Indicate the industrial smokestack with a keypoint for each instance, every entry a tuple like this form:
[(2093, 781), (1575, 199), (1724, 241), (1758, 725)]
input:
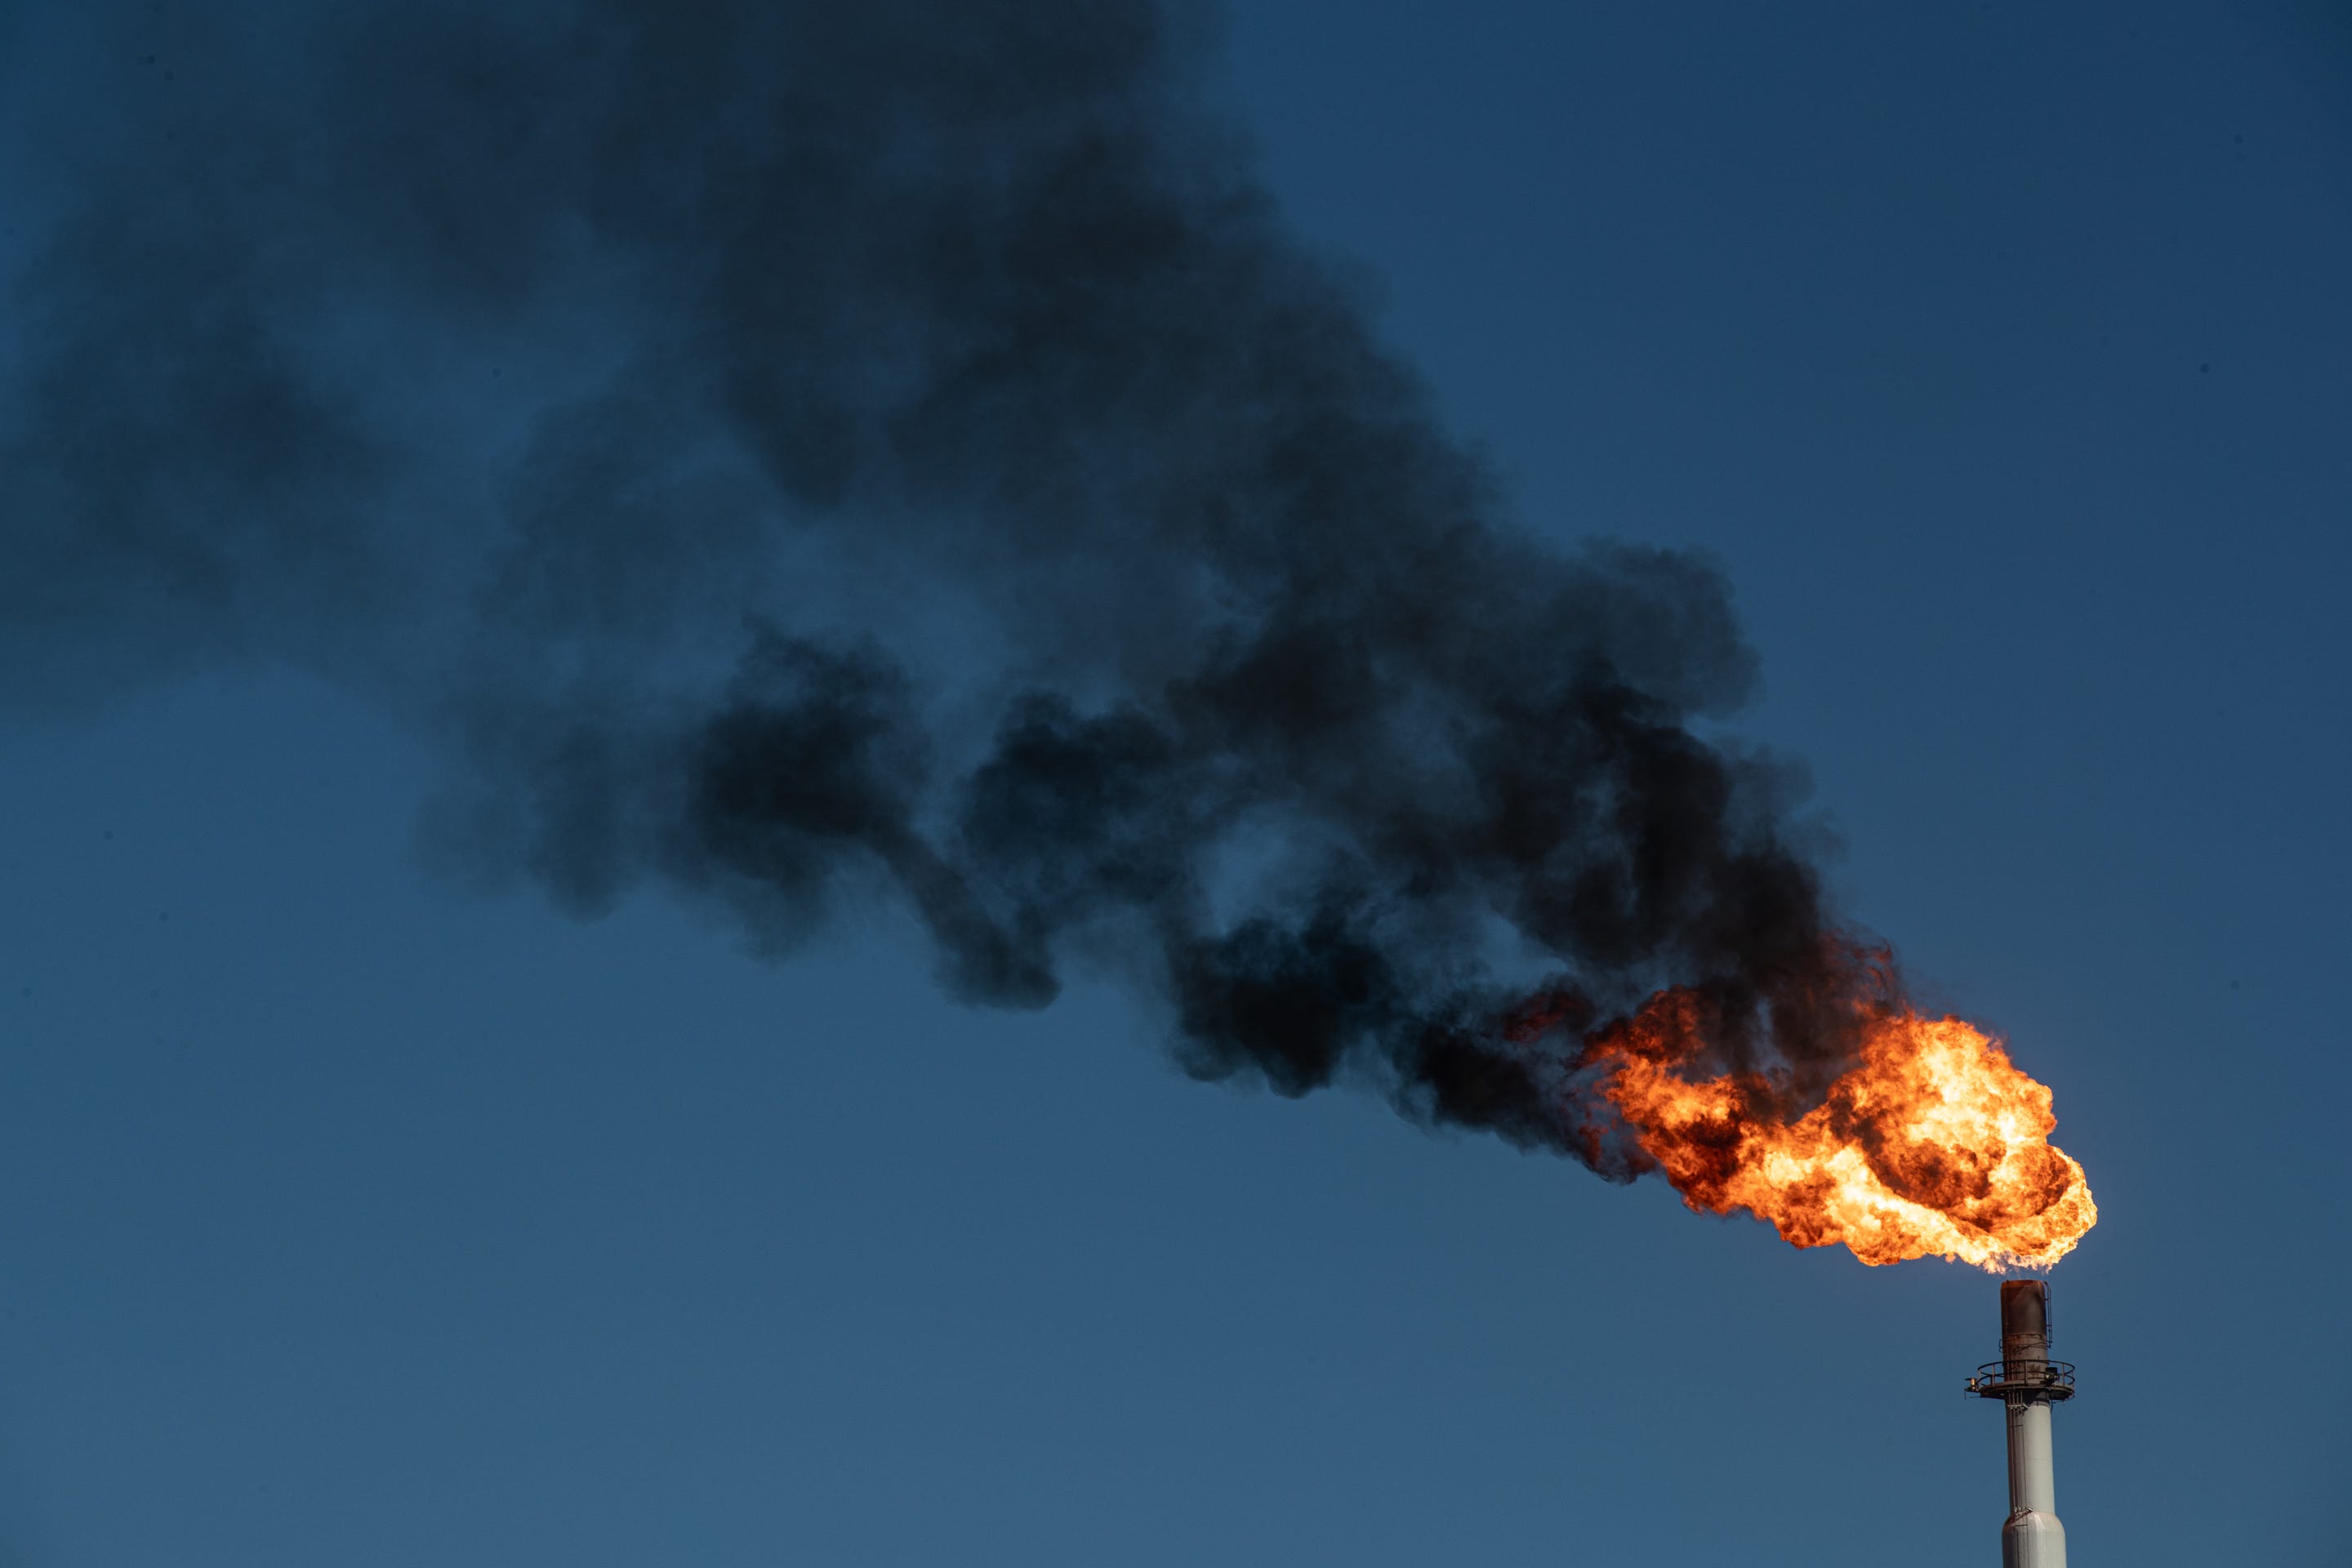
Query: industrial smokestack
[(2028, 1382)]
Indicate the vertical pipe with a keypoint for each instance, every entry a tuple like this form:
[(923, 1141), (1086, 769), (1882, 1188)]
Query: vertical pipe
[(2032, 1487), (2033, 1538)]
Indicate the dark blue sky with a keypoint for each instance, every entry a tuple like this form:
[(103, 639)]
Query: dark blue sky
[(2005, 363)]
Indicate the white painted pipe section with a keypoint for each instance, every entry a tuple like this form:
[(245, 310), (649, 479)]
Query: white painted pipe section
[(2033, 1538), (2032, 1487)]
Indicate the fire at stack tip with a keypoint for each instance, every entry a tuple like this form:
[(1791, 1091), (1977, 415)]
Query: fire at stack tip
[(2028, 1382)]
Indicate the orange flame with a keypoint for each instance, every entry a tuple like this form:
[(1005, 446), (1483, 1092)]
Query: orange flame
[(1933, 1144)]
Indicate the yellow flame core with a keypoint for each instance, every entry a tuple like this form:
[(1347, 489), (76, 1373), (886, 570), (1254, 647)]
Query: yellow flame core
[(1934, 1144)]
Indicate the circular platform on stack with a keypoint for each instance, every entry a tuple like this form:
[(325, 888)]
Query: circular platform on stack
[(2035, 1379)]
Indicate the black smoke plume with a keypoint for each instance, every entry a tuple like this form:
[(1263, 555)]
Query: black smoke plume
[(792, 450)]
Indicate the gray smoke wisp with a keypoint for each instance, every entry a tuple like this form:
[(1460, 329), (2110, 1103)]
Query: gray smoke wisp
[(1087, 576)]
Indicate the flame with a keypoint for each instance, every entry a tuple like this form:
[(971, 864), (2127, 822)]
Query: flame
[(1932, 1144)]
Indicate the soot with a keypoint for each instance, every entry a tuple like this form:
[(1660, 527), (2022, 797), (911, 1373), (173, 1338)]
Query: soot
[(1093, 579)]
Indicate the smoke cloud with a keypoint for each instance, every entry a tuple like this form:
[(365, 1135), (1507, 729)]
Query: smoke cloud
[(794, 451)]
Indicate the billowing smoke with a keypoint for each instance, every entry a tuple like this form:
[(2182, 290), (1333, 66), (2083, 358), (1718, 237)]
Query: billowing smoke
[(796, 451)]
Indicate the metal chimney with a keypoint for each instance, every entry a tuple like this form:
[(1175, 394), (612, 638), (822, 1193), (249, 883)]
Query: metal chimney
[(2028, 1382)]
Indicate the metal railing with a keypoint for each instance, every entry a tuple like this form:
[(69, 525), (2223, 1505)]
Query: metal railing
[(2031, 1379)]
